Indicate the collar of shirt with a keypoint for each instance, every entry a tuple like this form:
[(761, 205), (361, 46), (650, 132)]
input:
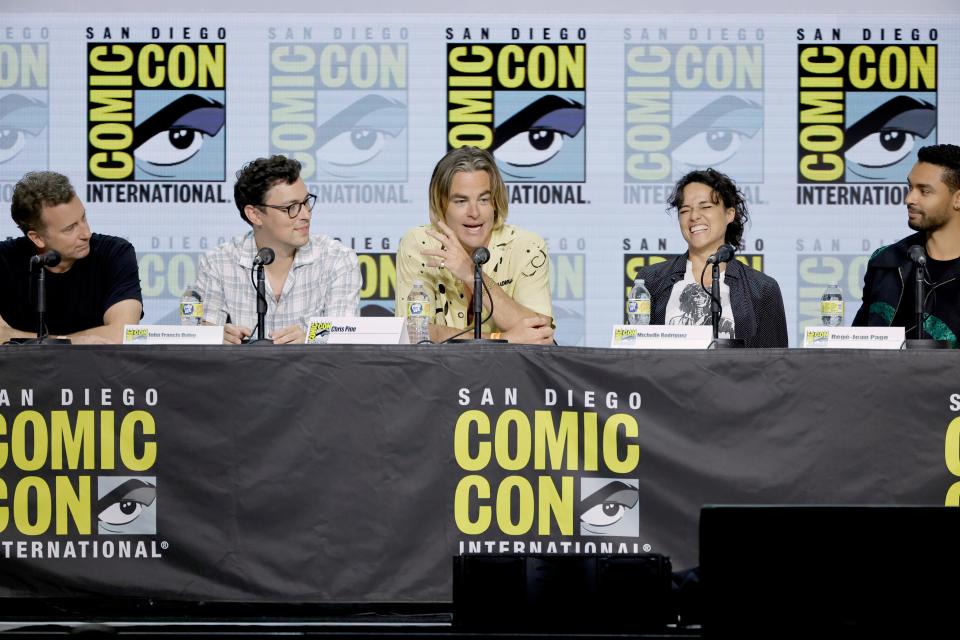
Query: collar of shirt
[(307, 254)]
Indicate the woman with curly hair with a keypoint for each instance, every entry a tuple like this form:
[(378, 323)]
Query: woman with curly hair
[(712, 212)]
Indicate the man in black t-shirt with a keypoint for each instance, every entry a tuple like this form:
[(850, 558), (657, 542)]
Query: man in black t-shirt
[(94, 290), (933, 211)]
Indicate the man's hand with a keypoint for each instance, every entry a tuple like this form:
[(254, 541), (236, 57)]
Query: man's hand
[(289, 335), (234, 333), (451, 255), (535, 330)]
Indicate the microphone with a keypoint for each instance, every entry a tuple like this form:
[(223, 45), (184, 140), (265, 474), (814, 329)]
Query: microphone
[(723, 254), (481, 256), (265, 256), (49, 259), (918, 255)]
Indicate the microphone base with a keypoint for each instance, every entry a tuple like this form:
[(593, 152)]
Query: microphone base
[(44, 340), (480, 341), (258, 342), (726, 343), (926, 343)]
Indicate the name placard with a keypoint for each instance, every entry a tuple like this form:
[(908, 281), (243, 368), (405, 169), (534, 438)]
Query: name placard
[(172, 334), (633, 336), (357, 331), (853, 338)]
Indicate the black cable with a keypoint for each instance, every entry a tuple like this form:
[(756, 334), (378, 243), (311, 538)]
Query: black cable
[(264, 298), (708, 291)]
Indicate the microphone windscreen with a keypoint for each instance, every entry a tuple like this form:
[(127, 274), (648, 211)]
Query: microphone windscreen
[(481, 255), (265, 256)]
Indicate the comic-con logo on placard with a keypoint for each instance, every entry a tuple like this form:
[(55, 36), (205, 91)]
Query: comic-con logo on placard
[(340, 108), (526, 103), (156, 121), (24, 109), (864, 110), (691, 103)]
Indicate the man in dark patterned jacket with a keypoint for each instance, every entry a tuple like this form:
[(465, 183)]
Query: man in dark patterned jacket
[(933, 211)]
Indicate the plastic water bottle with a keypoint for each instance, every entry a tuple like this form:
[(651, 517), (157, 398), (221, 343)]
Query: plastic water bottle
[(191, 307), (831, 306), (419, 313), (638, 304)]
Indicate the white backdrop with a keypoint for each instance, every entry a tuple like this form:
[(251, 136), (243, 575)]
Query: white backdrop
[(622, 103)]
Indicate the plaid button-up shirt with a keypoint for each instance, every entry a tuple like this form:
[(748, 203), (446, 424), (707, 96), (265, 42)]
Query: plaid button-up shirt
[(324, 280)]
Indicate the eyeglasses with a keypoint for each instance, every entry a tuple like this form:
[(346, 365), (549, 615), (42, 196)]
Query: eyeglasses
[(293, 210)]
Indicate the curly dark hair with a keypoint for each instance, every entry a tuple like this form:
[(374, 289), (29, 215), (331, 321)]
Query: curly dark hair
[(724, 190), (259, 176), (946, 156), (34, 191)]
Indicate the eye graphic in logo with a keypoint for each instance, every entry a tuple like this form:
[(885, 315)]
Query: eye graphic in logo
[(721, 134), (179, 138), (882, 139), (362, 140), (538, 136), (319, 333), (21, 118), (608, 507), (127, 505)]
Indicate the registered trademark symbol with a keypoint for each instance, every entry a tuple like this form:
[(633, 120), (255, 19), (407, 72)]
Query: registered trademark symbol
[(647, 548), (166, 545)]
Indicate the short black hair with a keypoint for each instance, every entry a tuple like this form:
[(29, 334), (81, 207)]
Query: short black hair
[(724, 190), (946, 156), (256, 178)]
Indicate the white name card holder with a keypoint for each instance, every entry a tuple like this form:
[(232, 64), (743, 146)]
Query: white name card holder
[(172, 334), (357, 331), (853, 338), (634, 336)]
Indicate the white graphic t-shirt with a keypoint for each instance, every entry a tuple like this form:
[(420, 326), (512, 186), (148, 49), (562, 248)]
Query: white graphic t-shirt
[(690, 304)]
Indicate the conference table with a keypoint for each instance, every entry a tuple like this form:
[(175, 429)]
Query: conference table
[(352, 474)]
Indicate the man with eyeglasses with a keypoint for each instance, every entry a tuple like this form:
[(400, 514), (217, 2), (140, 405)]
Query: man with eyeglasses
[(310, 275)]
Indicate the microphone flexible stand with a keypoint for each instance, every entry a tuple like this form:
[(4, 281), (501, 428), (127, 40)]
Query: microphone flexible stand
[(478, 287), (261, 338), (716, 310), (922, 342)]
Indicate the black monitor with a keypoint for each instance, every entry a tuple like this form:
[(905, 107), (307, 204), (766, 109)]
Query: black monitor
[(829, 571)]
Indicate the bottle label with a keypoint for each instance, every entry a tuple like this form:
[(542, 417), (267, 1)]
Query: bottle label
[(417, 308), (191, 309), (643, 307), (831, 307), (633, 306)]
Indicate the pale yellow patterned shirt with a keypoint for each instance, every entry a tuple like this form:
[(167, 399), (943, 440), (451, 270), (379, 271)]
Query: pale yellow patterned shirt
[(518, 263)]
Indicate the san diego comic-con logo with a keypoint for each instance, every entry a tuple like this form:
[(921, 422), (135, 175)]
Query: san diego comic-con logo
[(864, 110), (567, 291), (340, 108), (24, 110), (526, 103), (548, 480), (156, 113), (72, 479), (691, 105)]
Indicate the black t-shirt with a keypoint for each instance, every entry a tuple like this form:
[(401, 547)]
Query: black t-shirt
[(77, 298)]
